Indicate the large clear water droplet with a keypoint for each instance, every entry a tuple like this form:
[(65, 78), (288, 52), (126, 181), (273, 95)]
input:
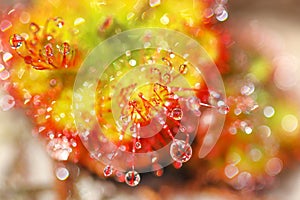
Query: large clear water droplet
[(180, 151), (132, 178)]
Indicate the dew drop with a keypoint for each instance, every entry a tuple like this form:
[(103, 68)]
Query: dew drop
[(132, 62), (158, 169), (62, 173), (138, 145), (223, 109), (52, 82), (172, 55), (176, 114), (7, 102), (124, 119), (16, 41), (231, 171), (180, 151), (177, 165), (79, 21), (2, 67), (5, 25), (128, 53), (182, 129), (59, 22), (66, 48), (132, 178), (223, 16), (183, 68), (4, 75), (269, 111), (7, 56), (107, 171), (165, 19), (48, 50), (194, 104), (154, 3)]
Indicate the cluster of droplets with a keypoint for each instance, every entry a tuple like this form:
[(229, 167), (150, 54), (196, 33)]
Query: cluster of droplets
[(42, 48), (145, 108), (218, 10)]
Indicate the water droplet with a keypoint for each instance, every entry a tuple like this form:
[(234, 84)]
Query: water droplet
[(158, 170), (180, 151), (48, 50), (49, 37), (16, 41), (172, 55), (248, 130), (154, 3), (223, 109), (79, 21), (182, 128), (222, 16), (165, 19), (107, 171), (7, 56), (4, 75), (2, 67), (59, 149), (194, 104), (5, 25), (124, 119), (7, 102), (247, 89), (128, 53), (183, 68), (52, 82), (132, 178), (132, 62), (176, 114), (66, 48), (177, 165), (33, 27), (62, 173), (231, 171), (138, 145), (269, 111), (59, 22)]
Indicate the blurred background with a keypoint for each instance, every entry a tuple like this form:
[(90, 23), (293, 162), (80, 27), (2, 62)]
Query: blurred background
[(27, 172)]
